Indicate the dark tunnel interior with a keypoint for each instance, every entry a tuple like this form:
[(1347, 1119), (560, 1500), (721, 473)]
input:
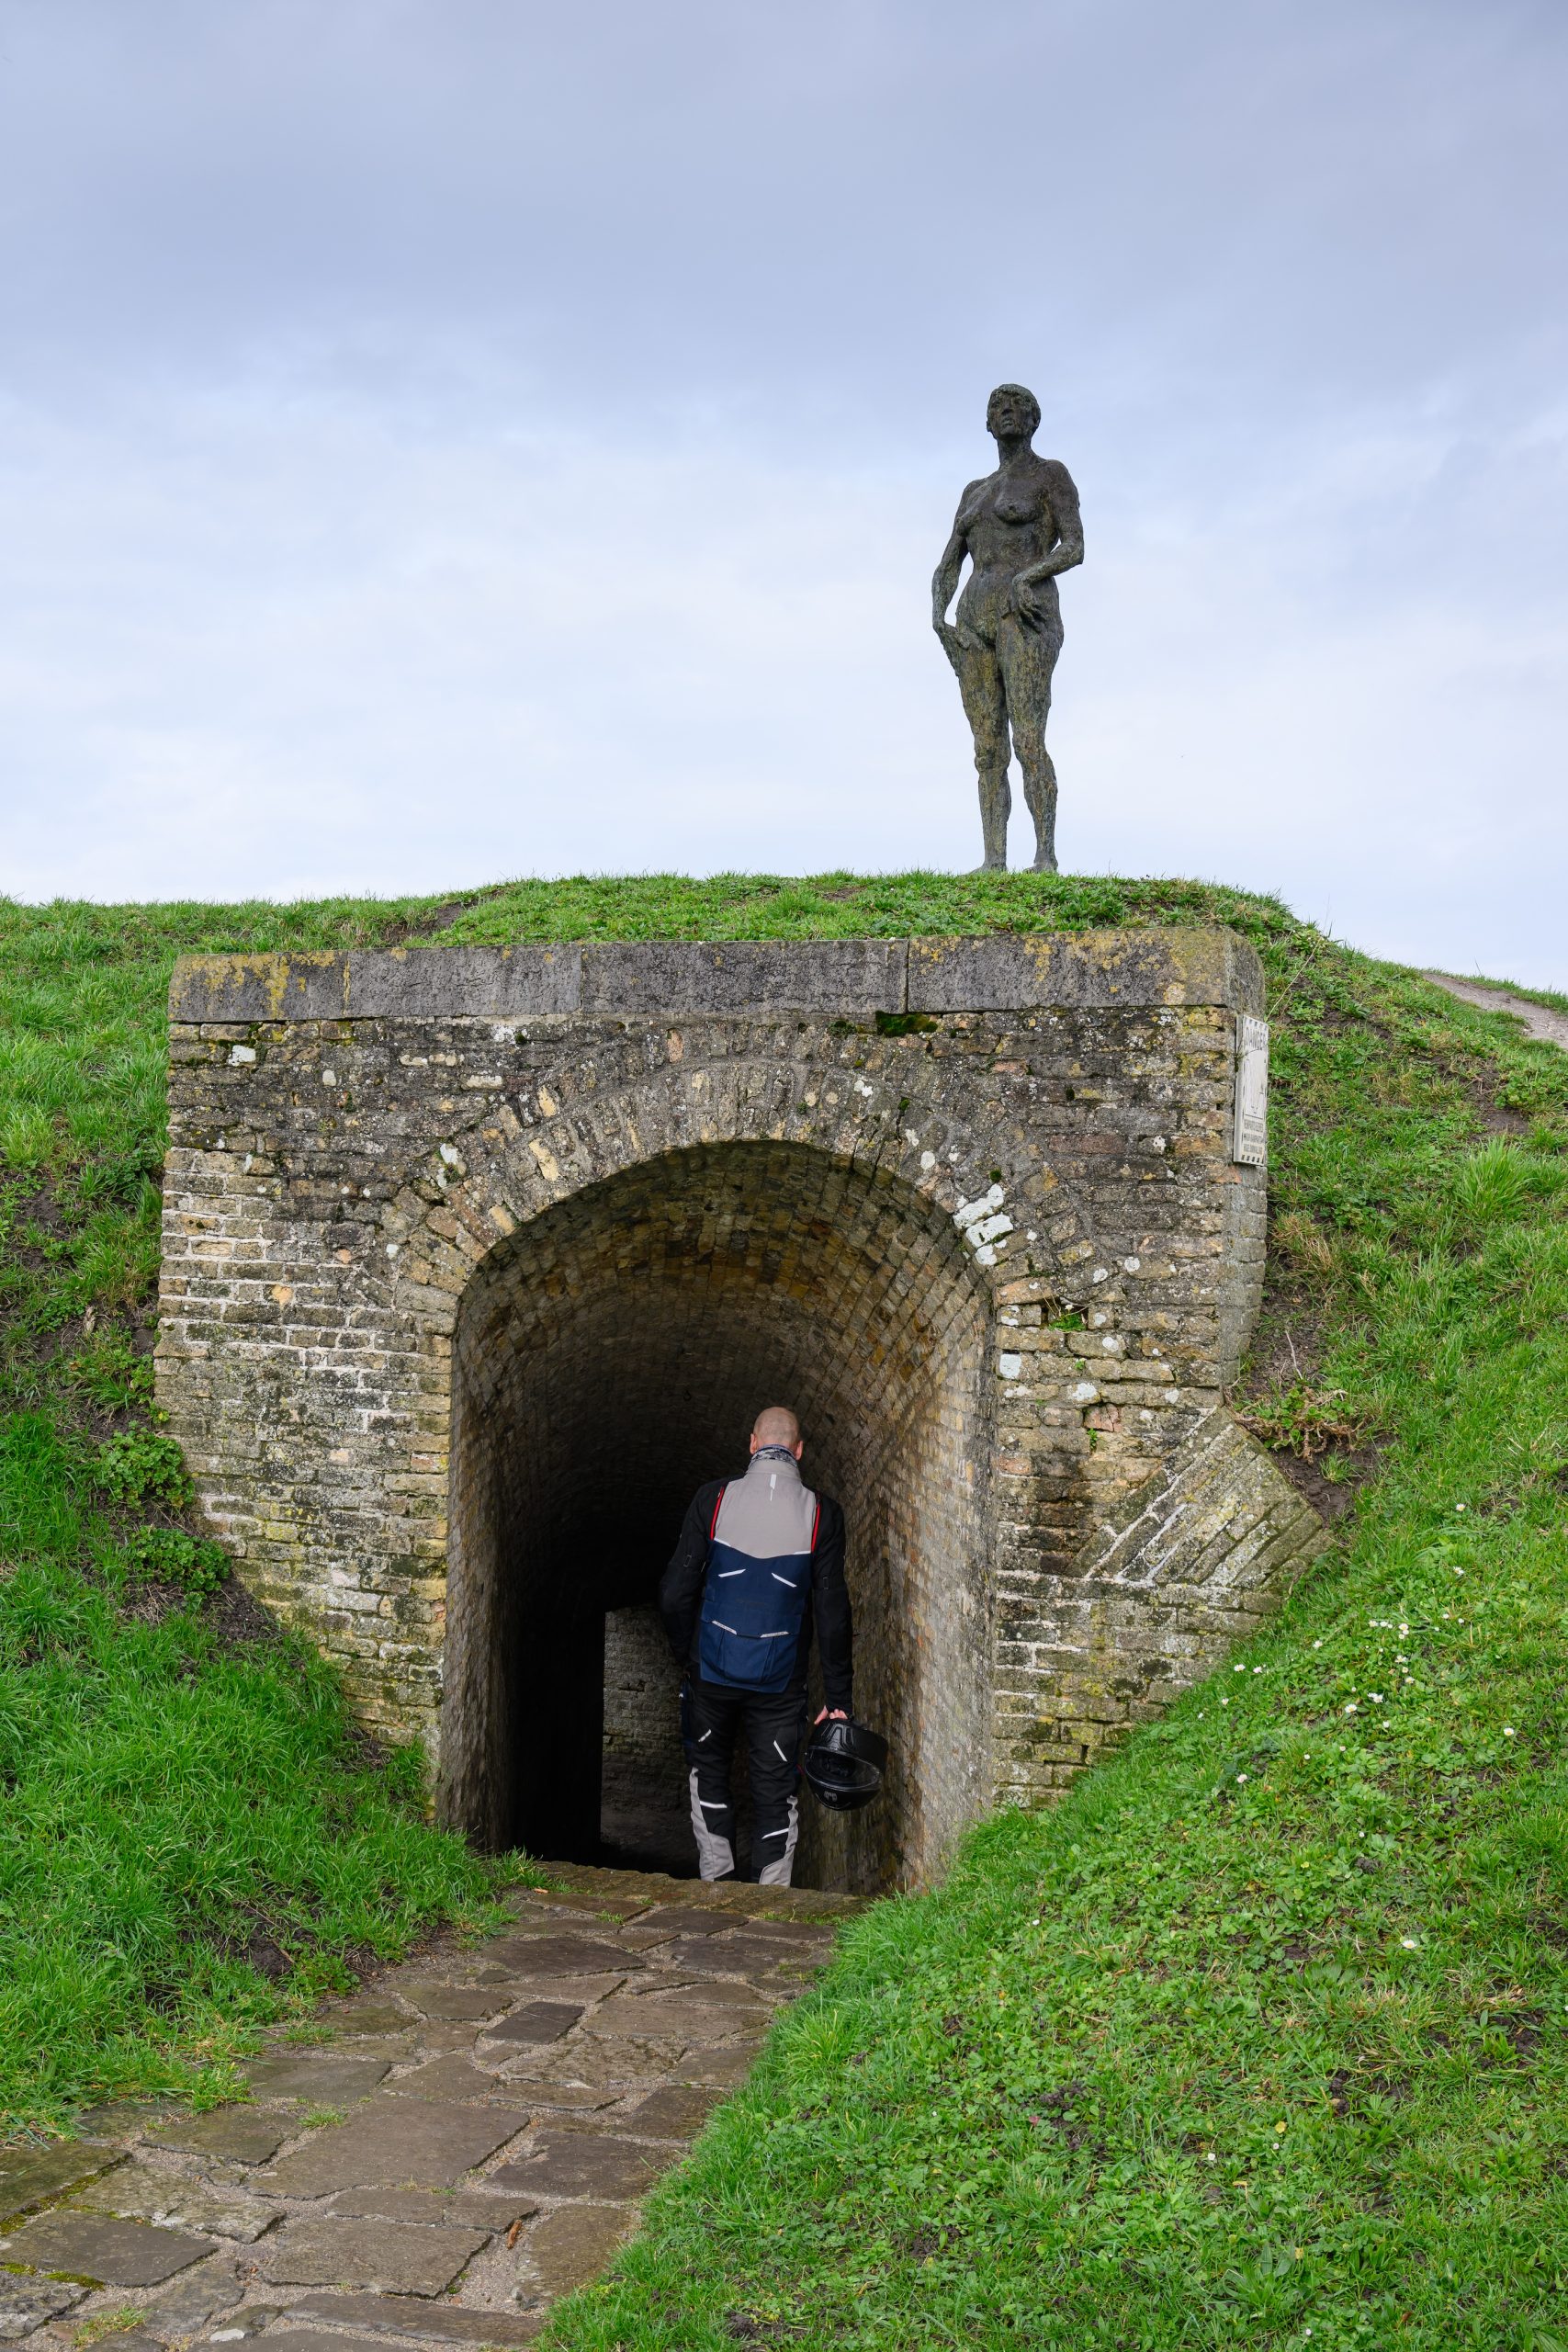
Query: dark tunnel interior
[(610, 1357)]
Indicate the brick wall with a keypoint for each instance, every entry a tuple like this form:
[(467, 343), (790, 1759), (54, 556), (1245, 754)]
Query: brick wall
[(476, 1261)]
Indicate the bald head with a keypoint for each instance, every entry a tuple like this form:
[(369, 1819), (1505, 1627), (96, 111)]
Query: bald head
[(775, 1425)]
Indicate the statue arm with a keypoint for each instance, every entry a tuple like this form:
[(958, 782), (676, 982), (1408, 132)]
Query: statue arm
[(1069, 549), (944, 580)]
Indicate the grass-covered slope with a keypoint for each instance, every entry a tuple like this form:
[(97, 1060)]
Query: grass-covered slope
[(1044, 2105), (191, 1834)]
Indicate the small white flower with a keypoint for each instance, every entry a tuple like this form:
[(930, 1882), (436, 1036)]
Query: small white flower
[(1241, 1776), (1317, 1646), (1352, 1709), (1376, 1698), (1224, 1702), (1238, 1669), (1410, 1943), (1461, 1505), (1508, 1731)]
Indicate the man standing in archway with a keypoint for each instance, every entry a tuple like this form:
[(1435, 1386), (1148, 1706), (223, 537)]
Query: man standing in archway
[(759, 1569)]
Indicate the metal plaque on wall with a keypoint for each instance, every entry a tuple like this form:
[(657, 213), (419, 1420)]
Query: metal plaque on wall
[(1251, 1142)]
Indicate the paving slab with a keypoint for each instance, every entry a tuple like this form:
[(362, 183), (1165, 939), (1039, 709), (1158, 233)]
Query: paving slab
[(397, 2258), (396, 2142), (583, 2163), (725, 2068), (574, 2244), (316, 2078), (193, 2301), (242, 2135), (121, 2119), (107, 2252), (457, 2077), (140, 2191), (28, 2303), (744, 1956), (364, 2014), (658, 1927), (583, 1990), (571, 2098), (467, 2208), (435, 2322), (536, 2021), (558, 1955), (288, 2338), (454, 2001), (31, 2176), (677, 2112), (241, 2327), (681, 2016), (623, 2063)]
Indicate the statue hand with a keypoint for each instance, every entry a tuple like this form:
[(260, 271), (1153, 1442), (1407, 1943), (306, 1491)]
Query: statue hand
[(951, 638), (1023, 599)]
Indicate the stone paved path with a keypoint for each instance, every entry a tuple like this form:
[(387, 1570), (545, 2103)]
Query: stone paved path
[(461, 2143)]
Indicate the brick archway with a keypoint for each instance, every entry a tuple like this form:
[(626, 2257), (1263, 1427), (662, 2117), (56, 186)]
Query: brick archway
[(608, 1359), (375, 1160)]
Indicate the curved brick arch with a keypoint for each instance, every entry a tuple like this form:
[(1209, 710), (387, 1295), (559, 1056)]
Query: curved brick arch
[(495, 1169), (609, 1357), (355, 1139)]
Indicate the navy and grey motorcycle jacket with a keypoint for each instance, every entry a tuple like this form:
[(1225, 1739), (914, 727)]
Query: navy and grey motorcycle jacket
[(758, 1571)]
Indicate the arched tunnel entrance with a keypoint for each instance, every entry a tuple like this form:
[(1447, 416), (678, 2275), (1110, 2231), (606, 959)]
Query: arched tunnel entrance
[(609, 1358)]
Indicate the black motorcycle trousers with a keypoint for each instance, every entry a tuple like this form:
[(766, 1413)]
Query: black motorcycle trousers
[(712, 1718)]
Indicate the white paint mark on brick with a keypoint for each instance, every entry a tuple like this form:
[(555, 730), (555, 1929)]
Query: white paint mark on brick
[(238, 1054)]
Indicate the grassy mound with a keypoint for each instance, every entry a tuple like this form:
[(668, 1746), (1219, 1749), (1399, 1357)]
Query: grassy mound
[(193, 1836), (1262, 2033)]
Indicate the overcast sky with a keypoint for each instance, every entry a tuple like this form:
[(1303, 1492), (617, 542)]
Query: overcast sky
[(446, 439)]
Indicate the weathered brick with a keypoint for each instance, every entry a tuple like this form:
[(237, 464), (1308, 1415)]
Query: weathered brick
[(450, 1333)]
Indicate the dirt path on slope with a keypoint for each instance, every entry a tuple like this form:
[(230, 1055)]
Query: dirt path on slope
[(1540, 1021)]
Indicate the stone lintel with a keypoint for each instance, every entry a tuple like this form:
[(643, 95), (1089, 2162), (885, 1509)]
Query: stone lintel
[(853, 978)]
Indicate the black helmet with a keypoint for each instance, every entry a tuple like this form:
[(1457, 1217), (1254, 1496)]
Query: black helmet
[(843, 1764)]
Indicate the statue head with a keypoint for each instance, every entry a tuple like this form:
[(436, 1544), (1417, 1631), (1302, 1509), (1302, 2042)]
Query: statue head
[(1012, 411)]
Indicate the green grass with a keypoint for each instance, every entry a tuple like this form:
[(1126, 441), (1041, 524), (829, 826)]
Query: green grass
[(1041, 2104), (180, 1800)]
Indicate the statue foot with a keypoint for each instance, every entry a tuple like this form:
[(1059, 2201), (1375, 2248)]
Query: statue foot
[(1044, 862), (990, 865)]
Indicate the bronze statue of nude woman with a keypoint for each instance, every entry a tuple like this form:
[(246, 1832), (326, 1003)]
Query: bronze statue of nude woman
[(1019, 528)]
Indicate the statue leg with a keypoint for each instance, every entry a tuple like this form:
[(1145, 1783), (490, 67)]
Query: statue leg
[(985, 707), (1027, 657)]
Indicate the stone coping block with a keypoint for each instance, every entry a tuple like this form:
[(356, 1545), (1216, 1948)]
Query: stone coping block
[(851, 978)]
